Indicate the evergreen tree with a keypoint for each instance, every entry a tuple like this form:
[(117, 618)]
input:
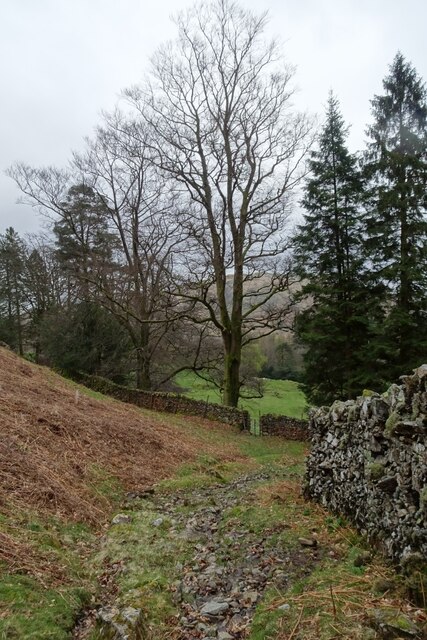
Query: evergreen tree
[(44, 287), (82, 238), (396, 164), (335, 328), (12, 264), (85, 338)]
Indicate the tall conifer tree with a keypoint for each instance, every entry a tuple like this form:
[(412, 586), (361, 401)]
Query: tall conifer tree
[(335, 327), (12, 261), (396, 164)]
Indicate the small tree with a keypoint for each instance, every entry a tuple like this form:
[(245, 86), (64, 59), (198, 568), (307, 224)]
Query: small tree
[(396, 164), (44, 287), (83, 241), (219, 109), (84, 337), (140, 203)]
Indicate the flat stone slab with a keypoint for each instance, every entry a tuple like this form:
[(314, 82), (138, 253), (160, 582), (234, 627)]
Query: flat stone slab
[(214, 608)]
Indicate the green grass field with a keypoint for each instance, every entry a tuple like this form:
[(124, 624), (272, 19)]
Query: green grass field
[(283, 397)]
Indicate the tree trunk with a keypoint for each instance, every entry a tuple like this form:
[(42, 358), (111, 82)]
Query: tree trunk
[(404, 300), (143, 379), (232, 358), (18, 320), (232, 335), (37, 351)]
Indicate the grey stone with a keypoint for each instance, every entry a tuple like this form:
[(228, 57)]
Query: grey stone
[(390, 625), (119, 624), (307, 542), (385, 433), (158, 522), (121, 518), (131, 615), (214, 608), (107, 614), (251, 596)]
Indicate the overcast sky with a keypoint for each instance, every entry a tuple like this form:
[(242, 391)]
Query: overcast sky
[(63, 61)]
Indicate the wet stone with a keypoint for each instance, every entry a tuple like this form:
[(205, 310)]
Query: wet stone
[(217, 590)]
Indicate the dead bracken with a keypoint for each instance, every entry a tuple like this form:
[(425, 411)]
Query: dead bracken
[(59, 446)]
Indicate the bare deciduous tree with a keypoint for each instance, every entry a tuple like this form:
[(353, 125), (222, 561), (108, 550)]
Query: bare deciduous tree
[(219, 108), (140, 203), (130, 278)]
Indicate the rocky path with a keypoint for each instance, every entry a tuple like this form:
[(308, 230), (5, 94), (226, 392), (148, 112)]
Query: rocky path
[(231, 566), (233, 560)]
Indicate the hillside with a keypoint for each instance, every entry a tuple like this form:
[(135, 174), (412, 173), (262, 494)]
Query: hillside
[(67, 456)]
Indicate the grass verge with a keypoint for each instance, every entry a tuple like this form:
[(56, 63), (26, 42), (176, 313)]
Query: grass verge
[(41, 600), (350, 593)]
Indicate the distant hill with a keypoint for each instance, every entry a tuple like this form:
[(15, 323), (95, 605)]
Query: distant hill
[(282, 298)]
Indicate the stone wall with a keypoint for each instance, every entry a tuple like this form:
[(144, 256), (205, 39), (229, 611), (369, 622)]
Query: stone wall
[(284, 426), (368, 461), (167, 402)]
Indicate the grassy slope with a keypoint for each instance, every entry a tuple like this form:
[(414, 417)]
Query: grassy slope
[(43, 604), (283, 397), (67, 456), (54, 574)]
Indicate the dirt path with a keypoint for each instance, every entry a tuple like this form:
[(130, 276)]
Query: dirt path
[(232, 563), (232, 558), (230, 550)]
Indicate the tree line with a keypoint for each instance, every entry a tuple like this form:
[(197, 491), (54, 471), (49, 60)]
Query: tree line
[(170, 240), (362, 249)]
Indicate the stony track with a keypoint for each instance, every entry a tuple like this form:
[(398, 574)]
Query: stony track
[(229, 568)]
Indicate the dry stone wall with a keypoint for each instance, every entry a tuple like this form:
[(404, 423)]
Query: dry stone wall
[(369, 462), (284, 426), (167, 402)]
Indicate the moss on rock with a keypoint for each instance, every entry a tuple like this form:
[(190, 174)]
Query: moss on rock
[(375, 470), (391, 423)]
